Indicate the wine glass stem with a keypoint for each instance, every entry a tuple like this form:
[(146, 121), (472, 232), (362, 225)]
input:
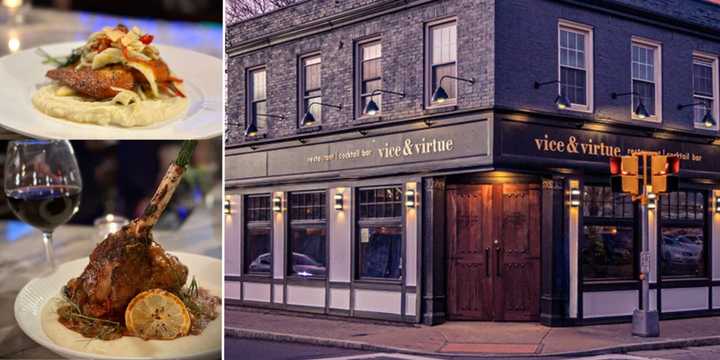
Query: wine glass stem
[(48, 241)]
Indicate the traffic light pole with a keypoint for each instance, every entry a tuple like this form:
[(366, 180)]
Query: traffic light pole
[(645, 322)]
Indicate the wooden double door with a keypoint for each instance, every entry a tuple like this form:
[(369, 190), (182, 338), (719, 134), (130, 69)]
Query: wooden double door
[(493, 235)]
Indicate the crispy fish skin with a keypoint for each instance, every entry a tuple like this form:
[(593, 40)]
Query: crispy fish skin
[(96, 84)]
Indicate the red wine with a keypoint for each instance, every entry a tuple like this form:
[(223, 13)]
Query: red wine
[(45, 207)]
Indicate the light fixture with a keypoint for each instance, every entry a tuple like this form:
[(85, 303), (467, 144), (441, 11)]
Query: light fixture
[(372, 107), (277, 204), (652, 201), (708, 120), (575, 197), (251, 129), (309, 118), (338, 201), (640, 111), (440, 95), (228, 207), (410, 200), (717, 204), (561, 101)]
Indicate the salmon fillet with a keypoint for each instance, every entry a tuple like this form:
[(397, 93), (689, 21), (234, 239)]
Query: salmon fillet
[(96, 84)]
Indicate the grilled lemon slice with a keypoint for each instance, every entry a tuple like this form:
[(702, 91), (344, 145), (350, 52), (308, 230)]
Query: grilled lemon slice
[(157, 314)]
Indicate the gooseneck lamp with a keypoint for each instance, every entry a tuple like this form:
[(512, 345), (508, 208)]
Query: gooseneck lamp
[(309, 118), (708, 120), (372, 107), (640, 110), (440, 95), (561, 101)]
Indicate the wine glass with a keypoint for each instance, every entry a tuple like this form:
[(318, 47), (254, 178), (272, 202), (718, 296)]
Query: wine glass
[(43, 185)]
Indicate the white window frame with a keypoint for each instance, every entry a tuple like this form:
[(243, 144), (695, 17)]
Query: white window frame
[(587, 31), (428, 64), (250, 98), (657, 46), (360, 114), (713, 60)]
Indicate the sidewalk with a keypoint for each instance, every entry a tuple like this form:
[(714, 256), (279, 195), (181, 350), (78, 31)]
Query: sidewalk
[(475, 338)]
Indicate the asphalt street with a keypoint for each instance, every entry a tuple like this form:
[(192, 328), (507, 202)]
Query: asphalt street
[(267, 350)]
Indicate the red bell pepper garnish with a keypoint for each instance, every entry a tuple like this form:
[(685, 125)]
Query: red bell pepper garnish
[(146, 39)]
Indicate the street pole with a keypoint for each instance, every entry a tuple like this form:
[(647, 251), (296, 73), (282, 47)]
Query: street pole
[(645, 322)]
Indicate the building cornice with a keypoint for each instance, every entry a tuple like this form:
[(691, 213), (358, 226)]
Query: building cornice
[(345, 18)]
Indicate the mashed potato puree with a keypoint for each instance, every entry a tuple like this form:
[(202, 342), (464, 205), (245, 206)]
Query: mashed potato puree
[(83, 110), (130, 346)]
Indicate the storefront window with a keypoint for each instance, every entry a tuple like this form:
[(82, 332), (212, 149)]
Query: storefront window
[(308, 234), (682, 215), (380, 233), (258, 235), (608, 245)]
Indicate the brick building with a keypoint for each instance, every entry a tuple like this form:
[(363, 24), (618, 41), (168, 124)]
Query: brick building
[(412, 160)]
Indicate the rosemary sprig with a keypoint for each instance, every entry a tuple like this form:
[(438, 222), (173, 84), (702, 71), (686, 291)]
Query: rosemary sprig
[(59, 61)]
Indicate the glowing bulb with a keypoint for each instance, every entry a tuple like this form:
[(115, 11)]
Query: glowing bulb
[(13, 43), (12, 3)]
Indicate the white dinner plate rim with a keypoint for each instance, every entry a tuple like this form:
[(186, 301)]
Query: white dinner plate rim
[(46, 342), (166, 130)]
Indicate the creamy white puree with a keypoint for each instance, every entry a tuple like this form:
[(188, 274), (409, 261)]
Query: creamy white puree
[(83, 110), (130, 346)]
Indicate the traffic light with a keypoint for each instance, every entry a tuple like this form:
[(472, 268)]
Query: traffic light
[(664, 171), (624, 174)]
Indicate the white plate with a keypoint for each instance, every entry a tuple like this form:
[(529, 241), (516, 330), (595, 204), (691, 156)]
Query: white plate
[(37, 292), (23, 72)]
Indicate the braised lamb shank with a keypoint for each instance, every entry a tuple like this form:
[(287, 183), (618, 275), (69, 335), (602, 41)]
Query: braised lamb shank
[(129, 261)]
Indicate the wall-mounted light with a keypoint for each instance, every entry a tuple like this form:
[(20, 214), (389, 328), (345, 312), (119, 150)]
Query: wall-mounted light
[(708, 120), (372, 107), (251, 129), (410, 200), (227, 207), (277, 204), (652, 201), (440, 95), (640, 110), (575, 197), (309, 118), (338, 201), (717, 204), (561, 101)]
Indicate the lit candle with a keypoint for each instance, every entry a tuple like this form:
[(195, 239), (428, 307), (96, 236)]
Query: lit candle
[(13, 42)]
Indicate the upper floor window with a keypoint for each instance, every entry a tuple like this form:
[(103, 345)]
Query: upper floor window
[(576, 59), (370, 74), (380, 232), (646, 78), (308, 234), (257, 249), (442, 59), (257, 97), (704, 89), (311, 87)]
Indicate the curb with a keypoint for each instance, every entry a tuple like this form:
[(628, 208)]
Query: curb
[(364, 346)]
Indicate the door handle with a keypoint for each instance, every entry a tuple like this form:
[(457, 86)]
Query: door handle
[(498, 253), (487, 262)]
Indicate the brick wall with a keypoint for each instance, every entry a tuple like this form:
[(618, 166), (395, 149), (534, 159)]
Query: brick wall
[(402, 35)]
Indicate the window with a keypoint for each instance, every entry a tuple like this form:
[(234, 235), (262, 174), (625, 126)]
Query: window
[(258, 235), (704, 89), (608, 247), (646, 78), (311, 87), (308, 234), (370, 73), (575, 59), (442, 59), (682, 222), (257, 97), (380, 232)]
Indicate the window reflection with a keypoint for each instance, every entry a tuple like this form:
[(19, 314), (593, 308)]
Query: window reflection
[(308, 234), (380, 233), (258, 235), (683, 234)]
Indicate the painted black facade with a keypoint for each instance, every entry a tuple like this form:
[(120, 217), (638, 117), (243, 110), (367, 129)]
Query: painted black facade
[(501, 128)]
